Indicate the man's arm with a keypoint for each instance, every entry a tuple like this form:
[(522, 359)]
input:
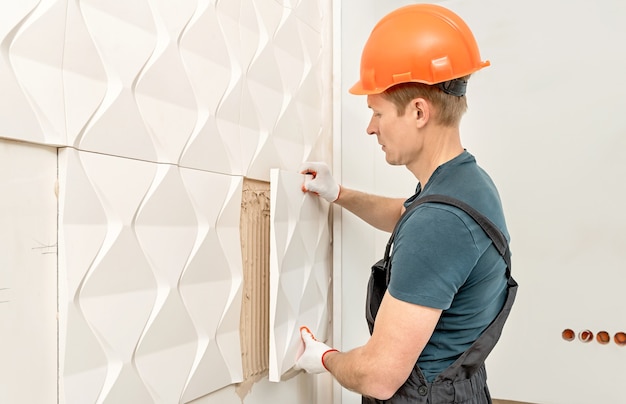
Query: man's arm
[(378, 211), (380, 367)]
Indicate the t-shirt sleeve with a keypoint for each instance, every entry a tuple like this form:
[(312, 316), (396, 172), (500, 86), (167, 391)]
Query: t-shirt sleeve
[(434, 253)]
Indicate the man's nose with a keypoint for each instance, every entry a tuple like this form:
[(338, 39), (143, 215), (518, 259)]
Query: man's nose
[(371, 129)]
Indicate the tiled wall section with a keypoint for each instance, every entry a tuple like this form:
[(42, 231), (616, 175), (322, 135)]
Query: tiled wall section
[(153, 294), (235, 86), (160, 109)]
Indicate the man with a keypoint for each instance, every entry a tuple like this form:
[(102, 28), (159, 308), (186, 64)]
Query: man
[(449, 289)]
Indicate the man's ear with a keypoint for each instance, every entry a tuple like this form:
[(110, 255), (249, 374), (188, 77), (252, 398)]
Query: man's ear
[(420, 110)]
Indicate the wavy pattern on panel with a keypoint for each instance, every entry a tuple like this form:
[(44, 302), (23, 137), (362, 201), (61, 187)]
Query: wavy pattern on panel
[(300, 269), (125, 36), (82, 233), (232, 86), (31, 101), (116, 294), (211, 68), (164, 107), (162, 89), (148, 249), (286, 63), (166, 227), (213, 278), (85, 80)]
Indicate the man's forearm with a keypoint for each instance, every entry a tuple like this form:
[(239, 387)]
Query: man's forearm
[(378, 211), (354, 371)]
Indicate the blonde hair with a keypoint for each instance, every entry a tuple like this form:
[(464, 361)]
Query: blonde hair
[(449, 108)]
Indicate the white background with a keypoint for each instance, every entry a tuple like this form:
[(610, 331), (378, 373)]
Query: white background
[(546, 121)]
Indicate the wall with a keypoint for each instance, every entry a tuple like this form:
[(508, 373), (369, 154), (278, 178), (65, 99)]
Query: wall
[(545, 121), (158, 110), (28, 263)]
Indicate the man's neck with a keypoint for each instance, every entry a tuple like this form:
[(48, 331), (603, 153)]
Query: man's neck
[(441, 145)]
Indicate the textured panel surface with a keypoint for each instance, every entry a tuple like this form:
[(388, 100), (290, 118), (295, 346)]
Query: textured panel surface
[(235, 87), (300, 269), (146, 248), (160, 109), (31, 40)]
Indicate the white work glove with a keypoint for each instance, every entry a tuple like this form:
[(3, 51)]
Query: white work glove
[(318, 179), (310, 356)]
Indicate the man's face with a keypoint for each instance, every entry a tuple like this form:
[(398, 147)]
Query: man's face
[(398, 135)]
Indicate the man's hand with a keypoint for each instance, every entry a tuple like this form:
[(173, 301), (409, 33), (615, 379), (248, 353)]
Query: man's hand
[(319, 181), (310, 356)]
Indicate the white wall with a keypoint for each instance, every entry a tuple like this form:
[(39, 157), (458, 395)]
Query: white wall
[(545, 120), (28, 263)]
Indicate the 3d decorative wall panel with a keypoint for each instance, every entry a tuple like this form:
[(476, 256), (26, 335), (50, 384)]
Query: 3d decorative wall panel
[(153, 279), (300, 269), (160, 109), (20, 116), (236, 87)]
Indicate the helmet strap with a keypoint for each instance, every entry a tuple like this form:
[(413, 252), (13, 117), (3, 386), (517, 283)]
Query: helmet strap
[(456, 87)]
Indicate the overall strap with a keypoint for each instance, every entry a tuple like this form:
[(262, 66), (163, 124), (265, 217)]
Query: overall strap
[(492, 231)]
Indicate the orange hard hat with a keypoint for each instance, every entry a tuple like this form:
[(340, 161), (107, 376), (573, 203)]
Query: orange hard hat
[(423, 43)]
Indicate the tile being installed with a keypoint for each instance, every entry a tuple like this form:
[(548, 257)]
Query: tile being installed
[(300, 269), (145, 248)]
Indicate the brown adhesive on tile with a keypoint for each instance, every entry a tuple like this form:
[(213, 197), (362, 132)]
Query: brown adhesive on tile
[(255, 250)]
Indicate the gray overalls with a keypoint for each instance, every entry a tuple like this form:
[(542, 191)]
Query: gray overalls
[(465, 381)]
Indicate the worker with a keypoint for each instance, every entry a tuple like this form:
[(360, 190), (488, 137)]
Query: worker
[(449, 290)]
